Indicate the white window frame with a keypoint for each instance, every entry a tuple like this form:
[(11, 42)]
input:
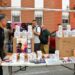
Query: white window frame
[(16, 21), (65, 15), (39, 13)]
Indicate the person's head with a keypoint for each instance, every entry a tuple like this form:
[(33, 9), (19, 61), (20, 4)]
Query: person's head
[(23, 25), (15, 25), (59, 24), (34, 23), (3, 21), (43, 27)]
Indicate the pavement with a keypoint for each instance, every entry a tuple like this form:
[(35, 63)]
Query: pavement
[(44, 70)]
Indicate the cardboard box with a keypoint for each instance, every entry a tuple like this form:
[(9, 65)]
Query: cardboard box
[(65, 45), (32, 40), (14, 45)]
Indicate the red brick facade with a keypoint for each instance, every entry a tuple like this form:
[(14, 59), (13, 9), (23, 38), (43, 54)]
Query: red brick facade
[(72, 14), (27, 15), (50, 19), (6, 12)]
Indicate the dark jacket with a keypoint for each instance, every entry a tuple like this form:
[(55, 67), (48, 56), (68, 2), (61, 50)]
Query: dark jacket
[(44, 36), (1, 37), (1, 43)]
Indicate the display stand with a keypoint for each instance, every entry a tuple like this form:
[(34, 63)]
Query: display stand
[(15, 51), (15, 43), (10, 65)]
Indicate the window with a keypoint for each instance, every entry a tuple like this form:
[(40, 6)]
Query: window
[(65, 15), (39, 14), (16, 14), (39, 20), (65, 21), (16, 18)]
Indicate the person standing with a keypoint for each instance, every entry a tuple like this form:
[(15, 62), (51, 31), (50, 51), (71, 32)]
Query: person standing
[(44, 38), (2, 25), (24, 26), (36, 32)]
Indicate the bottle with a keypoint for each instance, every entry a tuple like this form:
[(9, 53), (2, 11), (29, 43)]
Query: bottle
[(14, 57), (57, 54), (22, 58)]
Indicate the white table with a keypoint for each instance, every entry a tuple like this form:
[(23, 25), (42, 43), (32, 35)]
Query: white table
[(10, 64), (47, 60)]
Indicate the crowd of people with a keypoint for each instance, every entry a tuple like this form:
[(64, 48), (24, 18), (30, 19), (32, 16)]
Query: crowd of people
[(41, 37)]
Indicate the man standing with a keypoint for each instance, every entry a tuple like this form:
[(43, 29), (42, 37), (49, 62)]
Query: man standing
[(36, 32), (44, 38), (2, 25)]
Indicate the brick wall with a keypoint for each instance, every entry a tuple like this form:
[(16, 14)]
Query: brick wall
[(52, 19), (27, 15), (72, 14), (6, 12)]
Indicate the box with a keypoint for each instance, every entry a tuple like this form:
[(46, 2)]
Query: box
[(14, 45), (65, 45)]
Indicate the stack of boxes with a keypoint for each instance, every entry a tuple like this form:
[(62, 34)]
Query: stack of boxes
[(65, 42), (64, 33)]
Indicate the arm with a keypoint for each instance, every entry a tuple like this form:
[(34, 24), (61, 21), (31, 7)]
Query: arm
[(48, 40), (38, 31), (48, 33)]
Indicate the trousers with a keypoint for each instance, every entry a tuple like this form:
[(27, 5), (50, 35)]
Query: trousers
[(1, 70)]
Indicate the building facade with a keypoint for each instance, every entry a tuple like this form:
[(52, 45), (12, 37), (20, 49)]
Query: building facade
[(52, 19), (27, 15), (49, 18), (4, 3), (72, 14)]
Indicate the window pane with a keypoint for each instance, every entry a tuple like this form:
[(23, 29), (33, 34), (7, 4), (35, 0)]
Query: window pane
[(39, 20), (65, 20), (16, 18)]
